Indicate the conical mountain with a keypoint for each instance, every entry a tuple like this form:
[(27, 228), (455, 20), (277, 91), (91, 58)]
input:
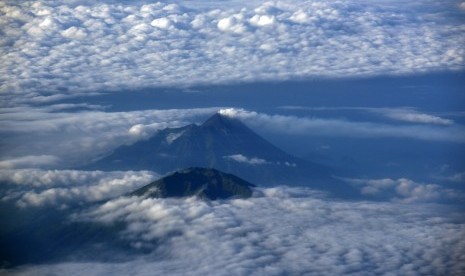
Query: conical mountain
[(221, 142), (201, 182)]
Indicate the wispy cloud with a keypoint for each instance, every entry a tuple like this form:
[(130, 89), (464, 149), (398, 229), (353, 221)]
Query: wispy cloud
[(405, 114), (29, 161), (345, 128), (68, 47), (415, 117)]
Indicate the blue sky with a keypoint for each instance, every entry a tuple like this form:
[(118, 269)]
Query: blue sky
[(373, 88)]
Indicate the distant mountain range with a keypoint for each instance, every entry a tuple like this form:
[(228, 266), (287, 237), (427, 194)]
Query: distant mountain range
[(201, 182), (223, 143)]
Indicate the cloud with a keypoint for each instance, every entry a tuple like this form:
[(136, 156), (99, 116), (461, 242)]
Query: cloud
[(280, 231), (59, 188), (244, 159), (58, 137), (405, 190), (32, 136), (409, 115), (29, 161), (458, 177), (256, 161), (400, 114), (64, 47), (345, 128), (414, 117)]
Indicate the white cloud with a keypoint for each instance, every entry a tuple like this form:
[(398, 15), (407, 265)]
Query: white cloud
[(458, 177), (280, 231), (244, 159), (405, 190), (162, 23), (86, 46), (412, 116), (29, 161), (345, 128), (262, 20), (58, 188), (232, 24), (401, 113), (74, 33), (34, 135), (56, 137)]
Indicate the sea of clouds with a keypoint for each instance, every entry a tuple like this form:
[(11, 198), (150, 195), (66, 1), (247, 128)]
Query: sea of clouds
[(53, 48), (279, 231)]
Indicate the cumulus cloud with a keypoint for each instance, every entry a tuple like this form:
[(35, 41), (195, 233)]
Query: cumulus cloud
[(244, 159), (58, 188), (86, 46), (346, 128), (280, 231), (405, 190)]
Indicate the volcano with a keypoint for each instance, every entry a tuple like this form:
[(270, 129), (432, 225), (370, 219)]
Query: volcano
[(221, 142), (200, 182)]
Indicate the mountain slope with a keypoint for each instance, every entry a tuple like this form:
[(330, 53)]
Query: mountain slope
[(221, 142), (204, 183)]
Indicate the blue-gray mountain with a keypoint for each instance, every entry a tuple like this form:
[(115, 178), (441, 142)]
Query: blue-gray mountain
[(223, 143)]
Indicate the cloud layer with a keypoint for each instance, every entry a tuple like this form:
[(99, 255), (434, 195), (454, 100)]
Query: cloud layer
[(51, 138), (405, 190), (59, 188), (61, 47), (439, 129), (280, 231), (403, 114)]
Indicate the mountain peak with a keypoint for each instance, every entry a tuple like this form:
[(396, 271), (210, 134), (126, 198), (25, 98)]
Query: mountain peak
[(218, 120), (205, 183)]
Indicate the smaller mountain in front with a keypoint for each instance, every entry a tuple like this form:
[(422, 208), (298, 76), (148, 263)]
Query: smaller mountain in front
[(201, 182)]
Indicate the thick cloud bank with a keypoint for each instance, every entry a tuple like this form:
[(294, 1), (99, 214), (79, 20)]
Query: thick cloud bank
[(280, 231), (82, 46)]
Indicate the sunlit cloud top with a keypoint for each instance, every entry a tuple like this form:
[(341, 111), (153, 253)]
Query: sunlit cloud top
[(88, 46)]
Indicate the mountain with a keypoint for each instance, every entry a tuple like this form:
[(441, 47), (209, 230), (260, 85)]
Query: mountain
[(202, 182), (221, 142)]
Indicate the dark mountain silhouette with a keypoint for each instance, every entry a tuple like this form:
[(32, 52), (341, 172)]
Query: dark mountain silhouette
[(221, 142), (201, 182)]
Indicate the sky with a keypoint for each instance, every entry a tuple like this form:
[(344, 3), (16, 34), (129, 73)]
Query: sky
[(374, 89)]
